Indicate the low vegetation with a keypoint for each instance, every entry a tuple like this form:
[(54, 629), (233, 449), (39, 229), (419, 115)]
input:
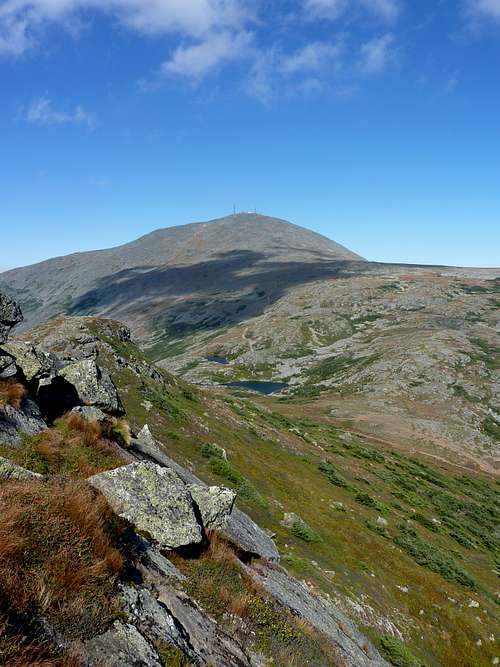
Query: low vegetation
[(218, 583), (74, 446), (59, 555)]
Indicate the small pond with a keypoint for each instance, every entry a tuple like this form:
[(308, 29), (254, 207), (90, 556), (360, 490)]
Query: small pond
[(261, 387), (217, 360)]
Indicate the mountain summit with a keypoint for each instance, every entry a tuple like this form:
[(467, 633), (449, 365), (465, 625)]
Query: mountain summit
[(238, 255)]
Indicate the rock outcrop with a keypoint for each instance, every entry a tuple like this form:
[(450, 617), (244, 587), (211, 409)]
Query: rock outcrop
[(10, 315), (154, 500), (93, 385), (320, 613)]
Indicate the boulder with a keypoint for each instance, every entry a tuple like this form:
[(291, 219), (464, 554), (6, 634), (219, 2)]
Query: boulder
[(154, 500), (27, 419), (249, 537), (33, 362), (10, 315), (215, 504), (9, 470), (93, 385), (121, 646)]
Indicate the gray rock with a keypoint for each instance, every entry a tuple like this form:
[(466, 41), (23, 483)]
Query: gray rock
[(209, 643), (33, 362), (121, 646), (9, 470), (289, 519), (153, 619), (215, 504), (93, 385), (10, 315), (27, 419), (90, 413), (154, 500), (249, 537), (7, 365), (321, 614)]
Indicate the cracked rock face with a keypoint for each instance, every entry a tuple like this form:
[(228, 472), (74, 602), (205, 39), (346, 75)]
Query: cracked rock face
[(10, 315), (154, 500), (93, 385)]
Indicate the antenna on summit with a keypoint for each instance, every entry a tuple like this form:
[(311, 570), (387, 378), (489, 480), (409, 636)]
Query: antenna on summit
[(234, 209)]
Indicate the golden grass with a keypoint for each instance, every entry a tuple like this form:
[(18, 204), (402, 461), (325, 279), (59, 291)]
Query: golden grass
[(59, 553), (11, 393)]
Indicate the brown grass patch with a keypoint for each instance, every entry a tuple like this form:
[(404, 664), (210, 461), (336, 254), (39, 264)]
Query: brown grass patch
[(11, 393), (59, 554), (73, 446)]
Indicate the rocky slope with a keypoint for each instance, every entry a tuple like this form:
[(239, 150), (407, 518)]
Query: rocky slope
[(365, 536), (166, 509)]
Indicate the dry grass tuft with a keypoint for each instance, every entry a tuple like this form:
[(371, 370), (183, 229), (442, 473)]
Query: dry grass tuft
[(59, 553), (16, 650), (219, 549), (11, 393)]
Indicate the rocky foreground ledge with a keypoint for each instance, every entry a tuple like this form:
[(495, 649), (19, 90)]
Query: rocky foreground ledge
[(169, 522)]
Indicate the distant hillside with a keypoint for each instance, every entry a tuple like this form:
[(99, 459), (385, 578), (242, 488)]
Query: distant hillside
[(239, 255)]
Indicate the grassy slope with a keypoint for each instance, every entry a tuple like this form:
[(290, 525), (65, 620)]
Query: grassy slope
[(275, 461)]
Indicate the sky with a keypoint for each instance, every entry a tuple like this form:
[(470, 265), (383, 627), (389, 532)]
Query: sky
[(374, 122)]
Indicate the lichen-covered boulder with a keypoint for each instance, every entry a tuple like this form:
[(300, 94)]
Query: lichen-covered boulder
[(33, 362), (93, 385), (153, 499), (10, 315), (9, 470), (121, 646), (215, 504)]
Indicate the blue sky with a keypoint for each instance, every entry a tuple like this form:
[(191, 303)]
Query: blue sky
[(374, 122)]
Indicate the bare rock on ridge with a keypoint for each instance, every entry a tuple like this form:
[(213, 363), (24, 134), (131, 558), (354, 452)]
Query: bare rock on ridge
[(10, 315), (93, 385)]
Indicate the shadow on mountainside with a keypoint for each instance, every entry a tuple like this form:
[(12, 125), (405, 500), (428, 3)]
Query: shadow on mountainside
[(183, 299)]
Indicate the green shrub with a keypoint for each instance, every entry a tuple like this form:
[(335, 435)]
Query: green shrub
[(429, 556), (397, 653), (366, 500), (303, 532), (330, 471)]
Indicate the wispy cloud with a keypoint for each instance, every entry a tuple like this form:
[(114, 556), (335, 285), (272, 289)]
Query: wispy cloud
[(305, 71), (199, 59), (22, 21), (43, 112), (334, 9), (482, 9), (377, 54)]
